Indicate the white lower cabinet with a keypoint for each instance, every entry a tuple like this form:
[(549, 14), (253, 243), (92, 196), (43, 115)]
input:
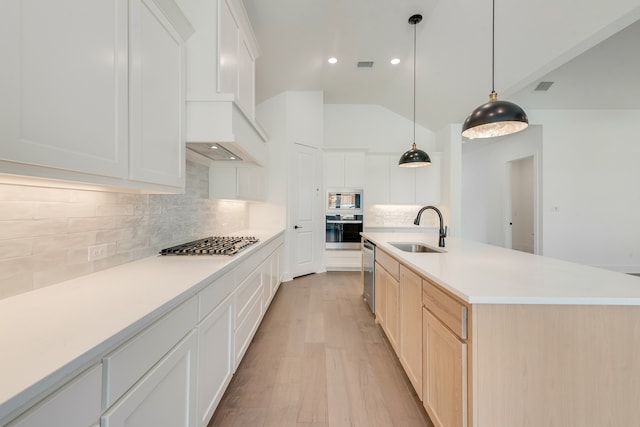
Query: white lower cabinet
[(215, 358), (175, 371), (248, 308), (83, 394), (165, 396)]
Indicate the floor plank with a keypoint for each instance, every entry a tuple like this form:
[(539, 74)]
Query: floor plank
[(319, 360)]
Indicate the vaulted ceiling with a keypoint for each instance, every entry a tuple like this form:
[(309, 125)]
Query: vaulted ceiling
[(590, 52)]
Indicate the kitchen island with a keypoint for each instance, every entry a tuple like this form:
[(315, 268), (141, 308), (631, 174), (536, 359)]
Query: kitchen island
[(509, 338), (97, 347)]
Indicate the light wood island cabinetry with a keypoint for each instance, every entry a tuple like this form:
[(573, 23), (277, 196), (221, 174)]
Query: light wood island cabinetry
[(388, 270), (511, 339), (411, 326), (445, 358)]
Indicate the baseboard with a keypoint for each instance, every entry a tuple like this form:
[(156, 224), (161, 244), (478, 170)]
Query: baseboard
[(343, 268)]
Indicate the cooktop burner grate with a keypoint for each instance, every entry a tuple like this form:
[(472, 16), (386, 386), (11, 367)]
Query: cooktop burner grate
[(218, 245)]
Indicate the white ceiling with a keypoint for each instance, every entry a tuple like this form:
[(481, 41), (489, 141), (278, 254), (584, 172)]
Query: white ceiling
[(547, 40)]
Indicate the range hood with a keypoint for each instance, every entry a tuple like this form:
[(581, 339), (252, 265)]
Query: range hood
[(213, 151), (215, 113), (223, 124)]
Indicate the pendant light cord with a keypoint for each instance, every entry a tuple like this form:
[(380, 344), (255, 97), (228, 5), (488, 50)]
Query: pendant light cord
[(493, 47), (414, 82)]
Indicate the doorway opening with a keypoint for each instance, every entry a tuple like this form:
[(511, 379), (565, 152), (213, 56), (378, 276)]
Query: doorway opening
[(521, 209)]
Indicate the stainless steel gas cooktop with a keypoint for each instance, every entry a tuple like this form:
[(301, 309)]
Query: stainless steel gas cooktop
[(218, 245)]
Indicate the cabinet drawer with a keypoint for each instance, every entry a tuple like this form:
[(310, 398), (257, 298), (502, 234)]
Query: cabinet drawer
[(245, 295), (247, 327), (77, 404), (388, 263), (131, 361), (211, 296), (450, 311)]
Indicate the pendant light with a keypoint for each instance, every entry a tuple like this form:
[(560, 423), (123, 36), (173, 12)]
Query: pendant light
[(414, 158), (495, 118)]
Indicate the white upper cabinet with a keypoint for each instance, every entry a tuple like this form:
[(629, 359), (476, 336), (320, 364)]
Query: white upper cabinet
[(344, 170), (157, 55), (243, 182), (64, 85), (428, 180), (376, 187), (236, 59), (228, 42), (246, 78), (221, 78), (387, 183), (93, 91)]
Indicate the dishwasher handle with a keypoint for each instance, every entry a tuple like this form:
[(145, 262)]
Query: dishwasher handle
[(369, 245)]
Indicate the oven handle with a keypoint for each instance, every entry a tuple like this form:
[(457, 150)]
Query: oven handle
[(333, 221)]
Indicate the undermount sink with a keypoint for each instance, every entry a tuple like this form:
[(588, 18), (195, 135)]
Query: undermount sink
[(415, 247)]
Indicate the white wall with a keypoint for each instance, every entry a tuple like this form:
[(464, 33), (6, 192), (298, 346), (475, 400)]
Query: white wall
[(590, 203), (450, 142), (591, 175), (273, 213), (372, 128), (485, 182)]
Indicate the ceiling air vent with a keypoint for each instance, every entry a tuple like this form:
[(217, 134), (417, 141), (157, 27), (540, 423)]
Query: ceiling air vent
[(365, 64), (543, 86)]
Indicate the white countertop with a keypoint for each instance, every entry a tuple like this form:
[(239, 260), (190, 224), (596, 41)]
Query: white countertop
[(485, 274), (49, 334)]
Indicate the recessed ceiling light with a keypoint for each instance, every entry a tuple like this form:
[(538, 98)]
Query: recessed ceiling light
[(395, 61), (333, 60), (213, 147)]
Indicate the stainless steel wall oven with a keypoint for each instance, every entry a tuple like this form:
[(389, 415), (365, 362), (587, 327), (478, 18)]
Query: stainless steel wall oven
[(343, 231)]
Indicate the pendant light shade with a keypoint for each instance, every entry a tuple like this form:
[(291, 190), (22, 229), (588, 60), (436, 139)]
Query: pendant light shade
[(495, 118), (414, 157)]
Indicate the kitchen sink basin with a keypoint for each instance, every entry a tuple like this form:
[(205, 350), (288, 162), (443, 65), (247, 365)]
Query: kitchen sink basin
[(415, 247)]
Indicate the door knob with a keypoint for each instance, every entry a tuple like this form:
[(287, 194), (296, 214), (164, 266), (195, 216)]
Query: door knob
[(296, 227)]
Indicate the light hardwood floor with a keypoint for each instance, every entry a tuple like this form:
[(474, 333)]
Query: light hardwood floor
[(319, 359)]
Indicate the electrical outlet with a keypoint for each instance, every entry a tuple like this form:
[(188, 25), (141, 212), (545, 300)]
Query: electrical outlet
[(97, 252)]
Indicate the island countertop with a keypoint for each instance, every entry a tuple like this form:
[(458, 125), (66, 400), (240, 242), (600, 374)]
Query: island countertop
[(484, 274)]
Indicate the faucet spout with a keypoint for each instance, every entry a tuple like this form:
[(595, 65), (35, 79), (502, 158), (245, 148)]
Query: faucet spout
[(443, 230)]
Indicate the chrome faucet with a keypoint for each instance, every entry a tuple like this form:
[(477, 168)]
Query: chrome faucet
[(443, 230)]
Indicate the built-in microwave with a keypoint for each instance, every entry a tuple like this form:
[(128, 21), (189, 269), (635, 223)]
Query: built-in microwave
[(345, 201)]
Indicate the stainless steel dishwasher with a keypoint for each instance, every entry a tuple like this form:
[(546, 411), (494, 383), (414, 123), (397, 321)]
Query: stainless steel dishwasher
[(368, 265)]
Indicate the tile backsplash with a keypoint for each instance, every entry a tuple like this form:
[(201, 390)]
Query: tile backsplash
[(397, 216), (45, 232)]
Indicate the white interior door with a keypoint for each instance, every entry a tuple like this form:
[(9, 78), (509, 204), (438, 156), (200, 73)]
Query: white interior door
[(305, 225), (522, 205)]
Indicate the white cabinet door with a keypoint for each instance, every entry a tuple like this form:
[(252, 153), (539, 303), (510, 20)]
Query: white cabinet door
[(77, 404), (354, 170), (402, 183), (251, 183), (428, 182), (344, 170), (334, 170), (64, 85), (387, 183), (165, 396), (246, 79), (376, 187), (215, 359), (156, 53), (241, 183), (228, 36)]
